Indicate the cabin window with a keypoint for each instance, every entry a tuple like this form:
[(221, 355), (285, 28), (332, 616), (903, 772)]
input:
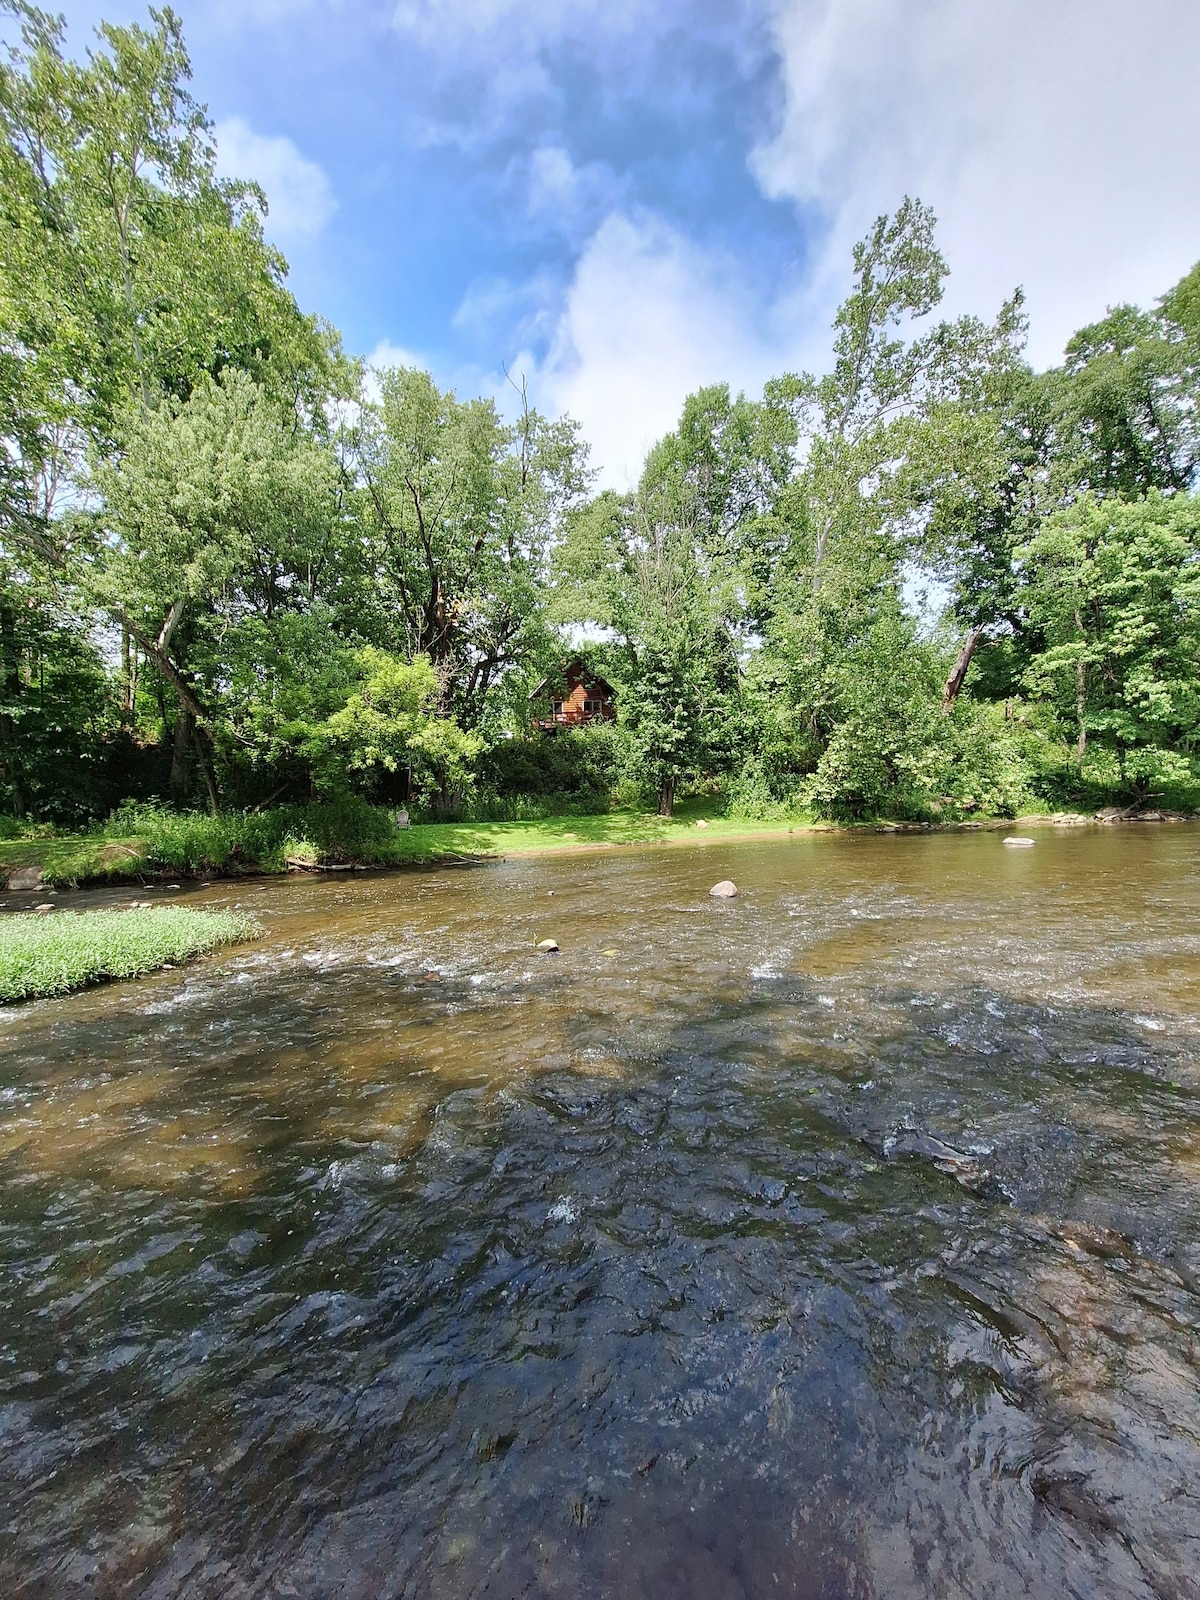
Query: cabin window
[(558, 708)]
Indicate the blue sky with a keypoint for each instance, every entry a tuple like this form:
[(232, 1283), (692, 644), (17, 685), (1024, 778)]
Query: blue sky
[(622, 200)]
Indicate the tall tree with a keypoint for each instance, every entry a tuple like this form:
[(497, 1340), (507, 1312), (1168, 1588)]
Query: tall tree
[(1114, 589), (636, 565), (218, 516), (129, 267), (462, 511), (887, 440)]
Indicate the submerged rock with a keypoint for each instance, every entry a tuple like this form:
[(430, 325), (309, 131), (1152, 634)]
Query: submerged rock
[(549, 947), (725, 890), (1019, 844)]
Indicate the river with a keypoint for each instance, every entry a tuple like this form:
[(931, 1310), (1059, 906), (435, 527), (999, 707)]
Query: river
[(839, 1240)]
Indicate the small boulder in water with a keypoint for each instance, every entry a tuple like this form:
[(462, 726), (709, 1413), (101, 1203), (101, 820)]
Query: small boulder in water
[(1018, 844), (549, 947), (43, 909), (725, 890)]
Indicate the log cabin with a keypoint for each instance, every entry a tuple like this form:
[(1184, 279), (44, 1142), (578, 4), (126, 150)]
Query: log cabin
[(575, 697)]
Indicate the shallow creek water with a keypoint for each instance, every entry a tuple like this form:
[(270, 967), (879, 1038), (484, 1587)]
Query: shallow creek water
[(839, 1240)]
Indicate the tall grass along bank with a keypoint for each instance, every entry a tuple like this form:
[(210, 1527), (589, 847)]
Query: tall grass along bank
[(51, 955)]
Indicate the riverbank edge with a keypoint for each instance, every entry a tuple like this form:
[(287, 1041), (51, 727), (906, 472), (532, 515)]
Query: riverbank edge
[(129, 861)]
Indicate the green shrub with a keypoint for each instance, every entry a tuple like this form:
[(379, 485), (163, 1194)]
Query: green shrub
[(347, 829), (572, 772)]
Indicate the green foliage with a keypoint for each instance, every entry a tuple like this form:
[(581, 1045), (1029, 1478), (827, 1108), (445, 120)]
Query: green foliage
[(1114, 589), (51, 955), (657, 570), (57, 710), (128, 268), (389, 722), (232, 575), (887, 747), (460, 511), (346, 829), (544, 775)]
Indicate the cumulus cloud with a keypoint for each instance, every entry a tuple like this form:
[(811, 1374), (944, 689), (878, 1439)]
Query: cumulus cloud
[(563, 195), (385, 356), (649, 316), (493, 69), (298, 191), (1057, 142)]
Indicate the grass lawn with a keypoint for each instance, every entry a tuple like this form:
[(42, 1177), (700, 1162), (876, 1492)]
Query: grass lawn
[(76, 858), (49, 955), (431, 841)]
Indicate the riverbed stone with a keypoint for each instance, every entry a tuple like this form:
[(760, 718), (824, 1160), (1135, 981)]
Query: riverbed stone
[(1019, 844), (725, 890), (25, 878), (548, 947), (44, 908)]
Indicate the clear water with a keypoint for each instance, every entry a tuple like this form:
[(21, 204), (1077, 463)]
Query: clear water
[(838, 1240)]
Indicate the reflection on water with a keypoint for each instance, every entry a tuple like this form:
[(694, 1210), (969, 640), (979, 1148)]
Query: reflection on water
[(838, 1240)]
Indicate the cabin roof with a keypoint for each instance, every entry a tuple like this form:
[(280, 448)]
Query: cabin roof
[(584, 671)]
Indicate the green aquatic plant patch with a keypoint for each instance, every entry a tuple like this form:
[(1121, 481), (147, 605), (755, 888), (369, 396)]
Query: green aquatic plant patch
[(53, 954)]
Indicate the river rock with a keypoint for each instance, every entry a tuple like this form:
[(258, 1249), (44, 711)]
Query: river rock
[(549, 947), (1019, 844), (725, 890), (25, 878), (43, 909)]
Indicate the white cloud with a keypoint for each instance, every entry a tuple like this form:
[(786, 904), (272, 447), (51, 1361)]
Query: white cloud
[(385, 356), (491, 68), (648, 318), (563, 195), (524, 25), (1057, 142), (298, 191)]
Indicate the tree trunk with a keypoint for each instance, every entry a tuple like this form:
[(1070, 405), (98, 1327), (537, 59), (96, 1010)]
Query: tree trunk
[(128, 676), (181, 767), (1081, 699), (959, 671), (201, 737), (666, 798), (10, 685)]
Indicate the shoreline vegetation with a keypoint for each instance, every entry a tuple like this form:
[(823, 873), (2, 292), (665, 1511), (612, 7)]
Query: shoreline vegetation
[(42, 957), (168, 845), (253, 596)]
